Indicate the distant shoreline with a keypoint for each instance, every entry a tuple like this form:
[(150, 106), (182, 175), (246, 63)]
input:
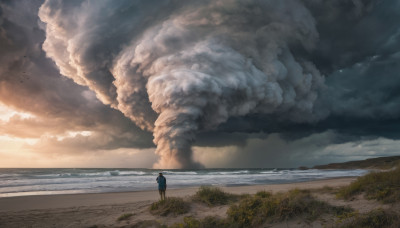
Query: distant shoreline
[(379, 163)]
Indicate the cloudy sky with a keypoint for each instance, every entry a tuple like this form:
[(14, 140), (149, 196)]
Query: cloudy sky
[(192, 84)]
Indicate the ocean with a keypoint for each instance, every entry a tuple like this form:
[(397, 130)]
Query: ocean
[(22, 182)]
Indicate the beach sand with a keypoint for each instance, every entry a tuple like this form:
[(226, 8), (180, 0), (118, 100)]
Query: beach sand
[(103, 209)]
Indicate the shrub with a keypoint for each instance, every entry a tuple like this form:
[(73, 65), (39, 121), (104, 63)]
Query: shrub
[(254, 211), (213, 196), (209, 221), (148, 223), (346, 215), (124, 216), (171, 205), (377, 218), (383, 186), (264, 194)]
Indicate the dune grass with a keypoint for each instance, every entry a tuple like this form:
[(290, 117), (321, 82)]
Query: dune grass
[(263, 194), (171, 205), (213, 196), (266, 207), (207, 222), (149, 223), (255, 210), (377, 218), (382, 186), (124, 216)]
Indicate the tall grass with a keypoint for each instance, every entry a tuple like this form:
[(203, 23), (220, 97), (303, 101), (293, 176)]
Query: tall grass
[(382, 186), (207, 222), (256, 210), (147, 224), (213, 196), (171, 205), (124, 217), (377, 218)]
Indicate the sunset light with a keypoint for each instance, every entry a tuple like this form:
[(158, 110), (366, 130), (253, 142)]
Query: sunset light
[(213, 105)]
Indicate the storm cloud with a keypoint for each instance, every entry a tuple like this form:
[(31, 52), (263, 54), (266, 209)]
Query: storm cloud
[(30, 83), (206, 74), (191, 71)]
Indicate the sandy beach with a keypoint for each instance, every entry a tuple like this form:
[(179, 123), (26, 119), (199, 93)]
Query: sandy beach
[(102, 210)]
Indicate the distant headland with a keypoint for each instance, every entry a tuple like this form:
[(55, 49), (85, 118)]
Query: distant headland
[(371, 163)]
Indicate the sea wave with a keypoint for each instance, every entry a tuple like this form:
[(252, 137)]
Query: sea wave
[(230, 172), (89, 174), (178, 172), (49, 181)]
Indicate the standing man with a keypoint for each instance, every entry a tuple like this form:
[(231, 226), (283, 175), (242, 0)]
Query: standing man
[(162, 185)]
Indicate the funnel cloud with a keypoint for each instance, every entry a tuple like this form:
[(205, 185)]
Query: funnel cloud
[(177, 68), (222, 83)]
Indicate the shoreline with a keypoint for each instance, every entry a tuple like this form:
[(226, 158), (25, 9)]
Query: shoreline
[(43, 202)]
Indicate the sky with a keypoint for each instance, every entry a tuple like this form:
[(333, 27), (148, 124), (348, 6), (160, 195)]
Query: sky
[(198, 84)]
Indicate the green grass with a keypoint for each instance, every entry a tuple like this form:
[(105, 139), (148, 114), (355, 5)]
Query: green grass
[(382, 186), (171, 205), (263, 194), (377, 218), (263, 207), (255, 210), (325, 189), (213, 196), (124, 216)]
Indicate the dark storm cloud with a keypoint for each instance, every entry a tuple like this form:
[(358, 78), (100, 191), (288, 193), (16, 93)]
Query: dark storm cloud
[(359, 52), (352, 31), (31, 83), (190, 70), (368, 89), (208, 73)]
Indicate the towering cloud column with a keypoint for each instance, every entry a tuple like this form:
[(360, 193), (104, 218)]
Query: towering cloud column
[(179, 68)]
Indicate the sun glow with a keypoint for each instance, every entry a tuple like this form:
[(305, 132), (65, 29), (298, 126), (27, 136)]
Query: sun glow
[(6, 113), (75, 133)]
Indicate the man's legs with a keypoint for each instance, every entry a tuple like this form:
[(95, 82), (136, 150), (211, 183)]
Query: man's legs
[(163, 194)]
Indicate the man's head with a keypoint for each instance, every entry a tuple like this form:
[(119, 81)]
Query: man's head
[(160, 174)]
